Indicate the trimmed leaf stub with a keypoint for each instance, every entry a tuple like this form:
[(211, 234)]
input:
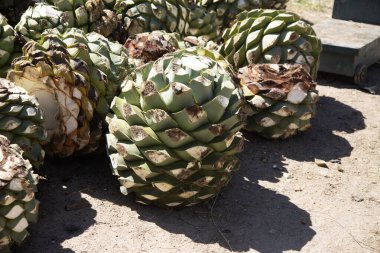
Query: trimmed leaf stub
[(174, 133), (280, 99)]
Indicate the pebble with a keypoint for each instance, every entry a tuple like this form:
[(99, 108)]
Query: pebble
[(357, 198), (336, 161), (321, 163)]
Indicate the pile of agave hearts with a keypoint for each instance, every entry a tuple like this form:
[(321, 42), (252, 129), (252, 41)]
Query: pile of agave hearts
[(158, 81)]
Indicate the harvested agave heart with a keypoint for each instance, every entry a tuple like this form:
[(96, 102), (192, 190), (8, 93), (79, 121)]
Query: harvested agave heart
[(180, 16), (203, 23), (271, 36), (74, 76), (141, 16), (87, 15), (280, 99), (174, 130), (7, 45), (64, 87), (227, 10), (18, 205)]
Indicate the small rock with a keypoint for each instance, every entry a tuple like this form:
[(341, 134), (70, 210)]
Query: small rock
[(321, 163), (288, 175), (338, 161), (340, 169), (272, 231), (357, 198), (79, 204), (374, 200)]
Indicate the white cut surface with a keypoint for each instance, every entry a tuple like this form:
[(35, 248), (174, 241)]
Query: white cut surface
[(15, 212)]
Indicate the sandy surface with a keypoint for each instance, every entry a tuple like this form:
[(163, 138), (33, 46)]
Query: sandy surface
[(279, 201), (312, 11)]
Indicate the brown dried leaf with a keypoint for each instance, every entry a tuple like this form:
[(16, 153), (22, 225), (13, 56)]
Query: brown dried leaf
[(275, 80), (148, 47)]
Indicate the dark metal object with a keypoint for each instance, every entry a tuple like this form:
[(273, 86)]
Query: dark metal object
[(364, 11), (348, 47), (360, 75)]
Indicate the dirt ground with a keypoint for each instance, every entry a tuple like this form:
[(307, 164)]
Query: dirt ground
[(279, 201), (312, 10)]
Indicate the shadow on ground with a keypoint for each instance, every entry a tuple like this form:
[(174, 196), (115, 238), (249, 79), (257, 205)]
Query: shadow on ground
[(245, 216), (320, 142), (56, 224), (370, 85)]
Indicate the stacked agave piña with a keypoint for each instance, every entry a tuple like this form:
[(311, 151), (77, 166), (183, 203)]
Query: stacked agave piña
[(100, 53), (202, 23), (150, 15), (66, 78), (76, 90), (87, 15), (183, 17), (227, 10), (173, 134), (18, 205), (7, 44), (281, 99), (21, 121), (271, 36)]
